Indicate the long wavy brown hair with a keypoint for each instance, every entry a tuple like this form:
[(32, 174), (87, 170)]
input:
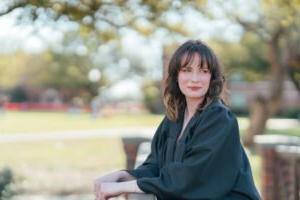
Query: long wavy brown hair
[(174, 100)]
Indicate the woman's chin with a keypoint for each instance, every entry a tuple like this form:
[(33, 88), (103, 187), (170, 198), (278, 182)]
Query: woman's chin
[(195, 97)]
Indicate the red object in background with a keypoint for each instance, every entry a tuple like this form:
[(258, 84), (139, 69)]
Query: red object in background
[(36, 107)]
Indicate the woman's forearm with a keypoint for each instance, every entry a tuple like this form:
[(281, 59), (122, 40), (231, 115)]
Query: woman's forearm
[(129, 187)]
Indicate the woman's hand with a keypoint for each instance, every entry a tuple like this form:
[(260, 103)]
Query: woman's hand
[(107, 190), (112, 185)]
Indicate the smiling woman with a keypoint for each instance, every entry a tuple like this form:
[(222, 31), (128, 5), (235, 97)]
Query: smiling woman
[(193, 79), (196, 152)]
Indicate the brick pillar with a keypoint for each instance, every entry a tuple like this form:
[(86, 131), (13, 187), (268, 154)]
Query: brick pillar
[(268, 174), (291, 157), (267, 146)]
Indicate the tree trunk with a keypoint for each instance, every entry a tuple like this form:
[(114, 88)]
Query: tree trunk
[(263, 107), (259, 115)]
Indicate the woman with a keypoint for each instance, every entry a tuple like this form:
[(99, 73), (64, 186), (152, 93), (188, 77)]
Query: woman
[(196, 151)]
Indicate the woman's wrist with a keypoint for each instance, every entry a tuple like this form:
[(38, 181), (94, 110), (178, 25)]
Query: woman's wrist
[(125, 176), (121, 175)]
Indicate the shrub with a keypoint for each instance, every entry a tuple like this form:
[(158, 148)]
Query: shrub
[(6, 179), (152, 96)]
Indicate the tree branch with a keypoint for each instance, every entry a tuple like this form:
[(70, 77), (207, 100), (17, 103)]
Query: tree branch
[(13, 7), (251, 27)]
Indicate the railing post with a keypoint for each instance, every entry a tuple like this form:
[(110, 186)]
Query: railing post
[(131, 145)]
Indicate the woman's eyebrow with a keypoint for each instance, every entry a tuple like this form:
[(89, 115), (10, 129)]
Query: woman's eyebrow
[(202, 66)]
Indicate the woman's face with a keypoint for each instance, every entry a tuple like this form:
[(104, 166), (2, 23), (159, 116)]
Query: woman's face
[(194, 81)]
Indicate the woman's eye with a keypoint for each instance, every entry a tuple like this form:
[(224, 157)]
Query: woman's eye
[(204, 71), (184, 69)]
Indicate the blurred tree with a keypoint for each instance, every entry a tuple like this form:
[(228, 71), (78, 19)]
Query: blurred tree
[(276, 24), (105, 18)]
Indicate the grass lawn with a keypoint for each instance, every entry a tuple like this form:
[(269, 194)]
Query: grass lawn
[(23, 122), (62, 166)]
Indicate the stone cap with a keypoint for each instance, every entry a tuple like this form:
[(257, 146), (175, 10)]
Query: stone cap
[(290, 151), (275, 140)]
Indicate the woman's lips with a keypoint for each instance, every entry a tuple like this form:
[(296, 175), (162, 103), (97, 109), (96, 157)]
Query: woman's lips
[(194, 88)]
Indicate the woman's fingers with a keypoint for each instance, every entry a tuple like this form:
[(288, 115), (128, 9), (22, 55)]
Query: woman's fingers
[(103, 197), (98, 193), (105, 191), (97, 190)]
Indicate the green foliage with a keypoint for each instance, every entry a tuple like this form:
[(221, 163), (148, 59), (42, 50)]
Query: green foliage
[(49, 69), (68, 71), (280, 14), (11, 68), (18, 95), (6, 179), (247, 58)]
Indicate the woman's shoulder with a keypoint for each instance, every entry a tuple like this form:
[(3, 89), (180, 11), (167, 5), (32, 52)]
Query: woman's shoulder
[(219, 105), (218, 120), (218, 111)]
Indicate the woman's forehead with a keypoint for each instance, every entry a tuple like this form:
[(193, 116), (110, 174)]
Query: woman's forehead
[(189, 59)]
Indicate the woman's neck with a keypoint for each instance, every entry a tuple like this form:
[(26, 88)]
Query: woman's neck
[(192, 106)]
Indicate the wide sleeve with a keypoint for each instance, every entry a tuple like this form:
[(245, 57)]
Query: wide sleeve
[(150, 168), (210, 163)]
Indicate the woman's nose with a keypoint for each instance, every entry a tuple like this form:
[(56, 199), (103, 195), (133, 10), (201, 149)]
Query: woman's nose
[(195, 77)]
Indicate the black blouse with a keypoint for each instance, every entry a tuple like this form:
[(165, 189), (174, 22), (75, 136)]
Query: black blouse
[(207, 163)]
